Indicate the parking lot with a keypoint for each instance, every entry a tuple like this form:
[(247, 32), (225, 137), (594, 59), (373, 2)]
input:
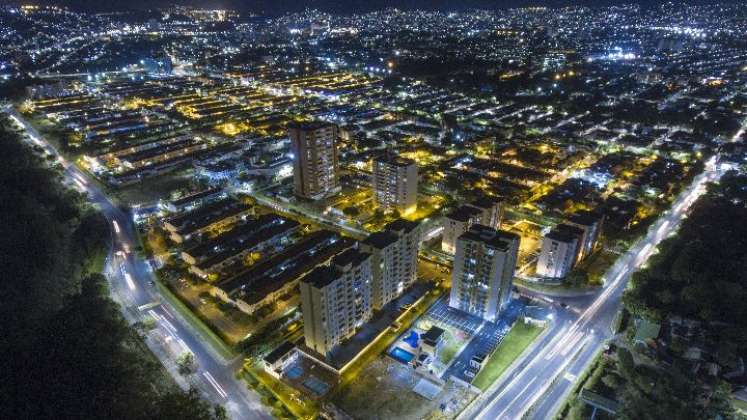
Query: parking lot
[(485, 342), (442, 313)]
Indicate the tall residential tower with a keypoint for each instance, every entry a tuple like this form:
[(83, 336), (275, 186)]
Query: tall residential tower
[(486, 211), (314, 146), (483, 272), (395, 184), (394, 254), (336, 300)]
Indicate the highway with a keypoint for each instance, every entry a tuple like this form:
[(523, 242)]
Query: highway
[(539, 382), (131, 284)]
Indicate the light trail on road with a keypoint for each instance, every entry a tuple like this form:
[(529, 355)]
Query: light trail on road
[(539, 374), (129, 278)]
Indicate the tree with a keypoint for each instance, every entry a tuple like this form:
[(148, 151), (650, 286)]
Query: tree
[(627, 364), (187, 406), (69, 352), (186, 363), (612, 381)]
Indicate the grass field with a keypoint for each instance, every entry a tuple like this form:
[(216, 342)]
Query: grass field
[(451, 347), (521, 336), (555, 290), (153, 189), (740, 405)]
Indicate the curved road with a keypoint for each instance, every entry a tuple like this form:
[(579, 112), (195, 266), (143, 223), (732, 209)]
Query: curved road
[(131, 279)]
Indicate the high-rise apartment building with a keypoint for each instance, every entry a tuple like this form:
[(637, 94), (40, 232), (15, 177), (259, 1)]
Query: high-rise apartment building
[(315, 167), (591, 225), (336, 300), (559, 252), (483, 272), (485, 211), (394, 256), (395, 184), (491, 211)]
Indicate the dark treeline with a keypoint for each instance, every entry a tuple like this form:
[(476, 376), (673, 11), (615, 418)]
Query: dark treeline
[(698, 275), (67, 351)]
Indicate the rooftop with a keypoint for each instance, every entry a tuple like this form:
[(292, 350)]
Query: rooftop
[(394, 160), (279, 352), (463, 213), (195, 196), (380, 240), (254, 284), (402, 225), (485, 202), (308, 125), (433, 335), (321, 277), (565, 233), (496, 239), (207, 215), (584, 218)]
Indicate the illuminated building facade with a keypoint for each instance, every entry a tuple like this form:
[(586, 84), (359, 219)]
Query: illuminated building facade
[(315, 165), (336, 300), (483, 273), (394, 253), (395, 184)]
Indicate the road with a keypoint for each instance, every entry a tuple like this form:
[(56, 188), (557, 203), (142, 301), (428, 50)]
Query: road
[(131, 279), (542, 379)]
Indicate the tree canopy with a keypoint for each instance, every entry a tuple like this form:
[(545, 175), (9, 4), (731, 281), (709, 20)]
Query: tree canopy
[(699, 273), (67, 350)]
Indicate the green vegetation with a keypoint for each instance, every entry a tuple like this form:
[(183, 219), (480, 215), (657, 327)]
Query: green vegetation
[(286, 401), (699, 273), (651, 391), (69, 352), (740, 405), (561, 289), (186, 363), (202, 329), (520, 336), (595, 266), (573, 408), (451, 347), (154, 189)]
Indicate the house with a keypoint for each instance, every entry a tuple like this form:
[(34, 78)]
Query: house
[(478, 361), (432, 340), (280, 359)]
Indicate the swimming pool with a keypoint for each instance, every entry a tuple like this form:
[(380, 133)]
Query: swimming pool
[(316, 386), (294, 372), (401, 355)]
